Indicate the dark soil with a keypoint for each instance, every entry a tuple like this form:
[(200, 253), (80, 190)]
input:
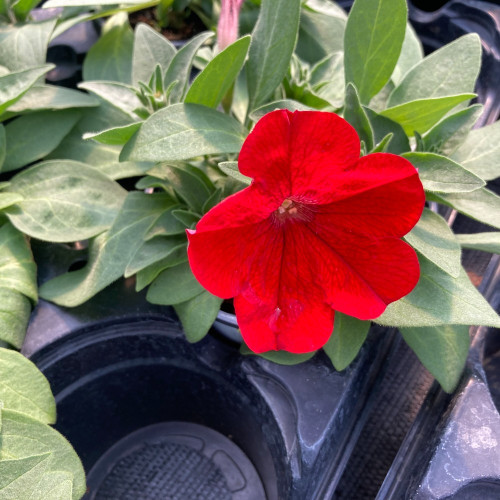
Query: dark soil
[(182, 26)]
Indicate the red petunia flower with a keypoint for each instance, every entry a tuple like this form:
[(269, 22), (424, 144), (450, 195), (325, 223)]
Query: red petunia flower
[(318, 230)]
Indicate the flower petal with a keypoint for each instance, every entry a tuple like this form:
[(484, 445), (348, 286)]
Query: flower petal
[(364, 275), (300, 154), (264, 154), (298, 328), (377, 209)]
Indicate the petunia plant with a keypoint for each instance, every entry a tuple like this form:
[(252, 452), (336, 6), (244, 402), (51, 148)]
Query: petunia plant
[(300, 171)]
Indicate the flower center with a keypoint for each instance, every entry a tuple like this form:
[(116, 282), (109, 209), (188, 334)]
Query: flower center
[(293, 210), (288, 207)]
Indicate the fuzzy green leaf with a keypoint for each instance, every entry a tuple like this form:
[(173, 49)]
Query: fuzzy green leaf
[(23, 387), (442, 350), (198, 314), (356, 116), (347, 338), (184, 131), (64, 201), (150, 48), (447, 135), (374, 35), (440, 299), (420, 115), (110, 58), (173, 286), (449, 71), (442, 175), (486, 242), (411, 54), (434, 239), (24, 437), (15, 310), (279, 357), (116, 135), (481, 204), (480, 152), (14, 85), (231, 168), (109, 253), (383, 126), (212, 84), (33, 136), (273, 41), (180, 68)]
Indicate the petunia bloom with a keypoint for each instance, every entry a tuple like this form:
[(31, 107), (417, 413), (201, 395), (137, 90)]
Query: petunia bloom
[(317, 231)]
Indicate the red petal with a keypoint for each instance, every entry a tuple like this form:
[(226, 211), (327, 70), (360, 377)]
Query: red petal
[(378, 209), (227, 241), (301, 154), (264, 154), (300, 327), (363, 275)]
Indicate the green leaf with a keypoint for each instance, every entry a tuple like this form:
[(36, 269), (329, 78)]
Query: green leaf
[(320, 32), (42, 97), (15, 310), (173, 286), (434, 239), (420, 115), (167, 225), (451, 70), (279, 357), (23, 47), (231, 168), (440, 299), (54, 485), (150, 48), (327, 79), (212, 84), (289, 104), (383, 145), (24, 437), (64, 201), (109, 253), (273, 41), (480, 152), (346, 340), (373, 39), (188, 185), (14, 85), (442, 350), (356, 116), (3, 146), (117, 94), (110, 58), (447, 135), (8, 199), (147, 275), (198, 314), (180, 68), (411, 54), (17, 267), (32, 137), (482, 205), (442, 175), (103, 157), (157, 249), (24, 388), (184, 131), (22, 8), (20, 477), (486, 242), (116, 135), (383, 126)]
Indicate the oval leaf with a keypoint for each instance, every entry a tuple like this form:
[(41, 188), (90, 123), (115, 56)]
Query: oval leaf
[(64, 201), (373, 39), (442, 350), (212, 84), (23, 387), (184, 131), (442, 175)]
